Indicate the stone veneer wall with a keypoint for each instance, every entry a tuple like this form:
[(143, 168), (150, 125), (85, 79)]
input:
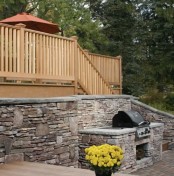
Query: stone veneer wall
[(46, 130), (98, 111), (43, 130), (154, 115)]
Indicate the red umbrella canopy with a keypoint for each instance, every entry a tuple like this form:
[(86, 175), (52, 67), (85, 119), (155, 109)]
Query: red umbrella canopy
[(32, 22)]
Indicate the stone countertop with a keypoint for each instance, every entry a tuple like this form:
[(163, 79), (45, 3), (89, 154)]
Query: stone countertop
[(108, 130), (155, 124)]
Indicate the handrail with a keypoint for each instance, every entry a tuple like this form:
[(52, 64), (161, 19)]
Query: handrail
[(110, 68), (91, 77), (107, 65)]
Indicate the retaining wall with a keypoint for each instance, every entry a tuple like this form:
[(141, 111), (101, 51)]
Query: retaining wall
[(154, 115), (39, 130), (46, 130)]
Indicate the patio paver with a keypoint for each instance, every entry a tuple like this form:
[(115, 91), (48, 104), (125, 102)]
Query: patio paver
[(161, 168)]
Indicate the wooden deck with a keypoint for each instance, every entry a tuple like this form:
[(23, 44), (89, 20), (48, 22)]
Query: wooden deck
[(34, 59), (39, 169)]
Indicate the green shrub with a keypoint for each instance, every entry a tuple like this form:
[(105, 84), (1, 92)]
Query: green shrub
[(159, 100), (153, 96), (169, 101)]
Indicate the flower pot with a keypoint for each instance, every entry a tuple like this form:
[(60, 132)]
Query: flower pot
[(103, 173), (104, 159)]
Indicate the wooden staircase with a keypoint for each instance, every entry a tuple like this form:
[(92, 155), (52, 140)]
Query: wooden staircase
[(88, 77)]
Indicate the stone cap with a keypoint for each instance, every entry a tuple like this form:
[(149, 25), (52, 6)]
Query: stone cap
[(93, 97), (151, 108), (5, 101), (108, 130)]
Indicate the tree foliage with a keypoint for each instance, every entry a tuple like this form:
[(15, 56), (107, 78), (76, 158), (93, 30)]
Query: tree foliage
[(142, 32), (10, 8), (74, 18), (159, 42), (119, 21)]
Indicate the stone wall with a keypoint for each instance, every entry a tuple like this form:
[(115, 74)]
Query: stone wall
[(46, 130), (154, 115), (39, 130), (98, 111)]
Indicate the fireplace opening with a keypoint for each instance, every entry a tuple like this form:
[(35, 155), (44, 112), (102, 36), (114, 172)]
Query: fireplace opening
[(142, 151)]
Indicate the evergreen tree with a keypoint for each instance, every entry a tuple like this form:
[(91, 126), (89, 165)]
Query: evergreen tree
[(158, 17), (142, 32)]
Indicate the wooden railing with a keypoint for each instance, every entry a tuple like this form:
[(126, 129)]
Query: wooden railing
[(110, 68), (91, 77), (27, 54)]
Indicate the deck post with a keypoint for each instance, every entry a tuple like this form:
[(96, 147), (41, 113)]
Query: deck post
[(120, 74), (75, 38), (22, 44)]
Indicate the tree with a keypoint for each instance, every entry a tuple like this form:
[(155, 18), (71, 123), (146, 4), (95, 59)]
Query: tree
[(142, 32), (74, 18), (119, 22), (158, 16), (10, 8), (163, 29)]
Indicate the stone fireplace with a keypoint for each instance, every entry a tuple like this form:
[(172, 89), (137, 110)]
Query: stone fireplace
[(138, 152)]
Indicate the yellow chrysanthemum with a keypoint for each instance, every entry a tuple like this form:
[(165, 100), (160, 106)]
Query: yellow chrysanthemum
[(87, 157), (118, 163), (104, 155)]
